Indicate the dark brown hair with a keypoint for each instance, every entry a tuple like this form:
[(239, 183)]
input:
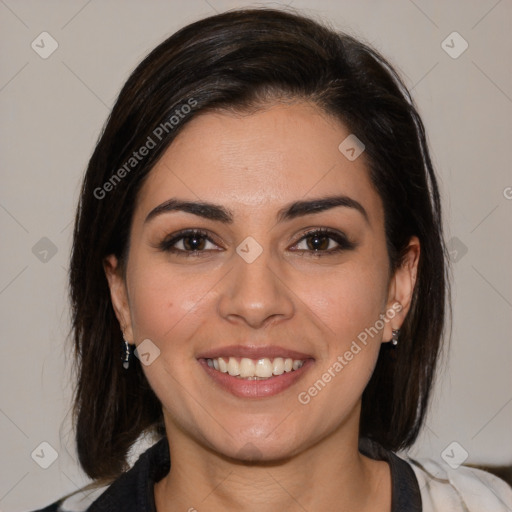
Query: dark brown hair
[(237, 61)]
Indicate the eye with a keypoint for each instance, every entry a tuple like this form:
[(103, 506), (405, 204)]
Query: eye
[(194, 242), (190, 242), (319, 242)]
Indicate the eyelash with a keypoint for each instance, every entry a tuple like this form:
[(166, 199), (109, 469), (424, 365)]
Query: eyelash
[(343, 244)]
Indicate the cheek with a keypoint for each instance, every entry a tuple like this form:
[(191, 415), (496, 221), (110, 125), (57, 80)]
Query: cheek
[(348, 300), (168, 305), (349, 303)]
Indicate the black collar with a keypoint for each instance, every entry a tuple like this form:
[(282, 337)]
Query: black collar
[(405, 491), (133, 491)]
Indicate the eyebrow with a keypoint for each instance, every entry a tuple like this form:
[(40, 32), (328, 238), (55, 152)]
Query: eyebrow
[(291, 211)]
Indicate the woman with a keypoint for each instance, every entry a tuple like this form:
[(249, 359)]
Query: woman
[(259, 229)]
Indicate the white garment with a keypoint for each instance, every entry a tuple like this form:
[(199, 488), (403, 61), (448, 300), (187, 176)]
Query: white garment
[(464, 489)]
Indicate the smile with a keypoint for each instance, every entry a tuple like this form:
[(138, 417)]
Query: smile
[(253, 374), (263, 368)]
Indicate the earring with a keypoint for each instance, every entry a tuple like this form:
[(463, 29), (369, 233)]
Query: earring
[(394, 336), (127, 354)]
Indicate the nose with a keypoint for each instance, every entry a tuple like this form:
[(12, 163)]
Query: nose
[(255, 292)]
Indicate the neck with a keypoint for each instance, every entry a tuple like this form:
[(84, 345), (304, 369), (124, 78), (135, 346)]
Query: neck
[(331, 475)]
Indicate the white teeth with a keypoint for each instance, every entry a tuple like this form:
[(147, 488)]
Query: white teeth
[(233, 367), (223, 366), (263, 368), (278, 368), (247, 368)]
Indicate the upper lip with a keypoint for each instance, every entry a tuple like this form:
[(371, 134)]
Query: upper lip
[(253, 352)]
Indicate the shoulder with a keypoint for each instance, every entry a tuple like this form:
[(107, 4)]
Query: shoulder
[(79, 501), (54, 507), (131, 491), (148, 458), (462, 489)]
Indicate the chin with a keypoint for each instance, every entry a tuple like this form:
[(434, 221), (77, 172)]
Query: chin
[(255, 444), (259, 452)]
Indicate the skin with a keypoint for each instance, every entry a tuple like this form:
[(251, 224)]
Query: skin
[(273, 453)]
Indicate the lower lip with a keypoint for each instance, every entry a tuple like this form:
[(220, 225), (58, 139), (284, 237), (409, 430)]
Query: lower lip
[(244, 388)]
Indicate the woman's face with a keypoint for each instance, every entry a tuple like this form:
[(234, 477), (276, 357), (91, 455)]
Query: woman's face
[(257, 285)]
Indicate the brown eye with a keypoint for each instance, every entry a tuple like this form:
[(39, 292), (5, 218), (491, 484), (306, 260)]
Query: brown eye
[(187, 243), (318, 242), (322, 242), (193, 242)]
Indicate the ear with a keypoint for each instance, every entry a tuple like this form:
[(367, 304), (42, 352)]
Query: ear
[(401, 289), (119, 295)]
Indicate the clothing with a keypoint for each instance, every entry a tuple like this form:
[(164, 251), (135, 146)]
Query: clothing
[(417, 486)]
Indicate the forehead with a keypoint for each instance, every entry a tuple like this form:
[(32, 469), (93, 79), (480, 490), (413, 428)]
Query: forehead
[(273, 156)]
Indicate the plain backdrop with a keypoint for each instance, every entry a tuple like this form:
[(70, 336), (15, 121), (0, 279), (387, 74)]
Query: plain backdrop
[(52, 112)]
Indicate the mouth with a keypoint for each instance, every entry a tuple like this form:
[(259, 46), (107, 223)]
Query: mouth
[(247, 372), (260, 369)]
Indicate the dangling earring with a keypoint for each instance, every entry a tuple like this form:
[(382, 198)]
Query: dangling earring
[(127, 354), (394, 336)]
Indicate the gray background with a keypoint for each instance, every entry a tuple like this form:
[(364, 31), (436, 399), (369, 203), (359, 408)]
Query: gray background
[(52, 111)]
